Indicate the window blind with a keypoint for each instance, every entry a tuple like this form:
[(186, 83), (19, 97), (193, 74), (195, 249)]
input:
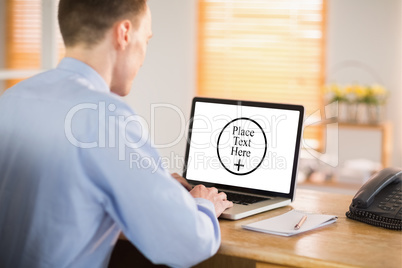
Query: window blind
[(263, 50), (24, 36)]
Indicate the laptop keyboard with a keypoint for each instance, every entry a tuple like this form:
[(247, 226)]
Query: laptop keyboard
[(244, 199)]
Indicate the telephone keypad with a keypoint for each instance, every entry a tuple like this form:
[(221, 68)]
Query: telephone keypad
[(392, 202)]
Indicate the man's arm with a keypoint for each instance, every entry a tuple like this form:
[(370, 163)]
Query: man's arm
[(161, 218)]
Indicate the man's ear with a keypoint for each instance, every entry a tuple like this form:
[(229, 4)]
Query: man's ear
[(122, 33)]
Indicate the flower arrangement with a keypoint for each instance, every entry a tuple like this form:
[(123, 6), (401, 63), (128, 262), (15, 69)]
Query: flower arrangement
[(358, 103)]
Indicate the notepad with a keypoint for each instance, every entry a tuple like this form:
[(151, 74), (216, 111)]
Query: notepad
[(285, 224)]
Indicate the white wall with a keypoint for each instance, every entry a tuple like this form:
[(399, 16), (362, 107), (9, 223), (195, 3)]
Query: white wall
[(168, 75), (365, 37), (367, 31)]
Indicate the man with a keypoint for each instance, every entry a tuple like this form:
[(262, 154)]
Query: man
[(67, 188)]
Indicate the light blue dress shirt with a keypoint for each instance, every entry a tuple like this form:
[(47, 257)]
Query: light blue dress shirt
[(76, 168)]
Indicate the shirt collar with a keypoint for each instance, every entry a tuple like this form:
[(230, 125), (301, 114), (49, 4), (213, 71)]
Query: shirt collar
[(81, 68)]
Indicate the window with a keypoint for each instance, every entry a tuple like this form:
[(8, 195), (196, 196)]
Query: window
[(26, 21), (270, 50)]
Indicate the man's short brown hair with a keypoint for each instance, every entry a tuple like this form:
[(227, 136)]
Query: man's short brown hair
[(86, 21)]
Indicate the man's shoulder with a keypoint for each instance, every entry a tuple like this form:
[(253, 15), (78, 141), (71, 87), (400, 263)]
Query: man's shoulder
[(66, 89)]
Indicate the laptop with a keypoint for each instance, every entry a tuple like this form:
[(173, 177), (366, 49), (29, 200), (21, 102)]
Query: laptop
[(249, 150)]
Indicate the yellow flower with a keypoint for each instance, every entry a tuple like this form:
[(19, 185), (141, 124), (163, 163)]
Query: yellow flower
[(375, 94), (378, 90), (349, 89), (360, 91), (335, 92)]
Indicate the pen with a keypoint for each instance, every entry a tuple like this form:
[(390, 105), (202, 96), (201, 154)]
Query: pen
[(300, 223)]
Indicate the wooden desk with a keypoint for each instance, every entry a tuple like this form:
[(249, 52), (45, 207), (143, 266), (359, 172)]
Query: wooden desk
[(346, 243)]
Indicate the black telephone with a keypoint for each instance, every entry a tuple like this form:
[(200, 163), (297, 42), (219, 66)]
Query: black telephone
[(379, 200)]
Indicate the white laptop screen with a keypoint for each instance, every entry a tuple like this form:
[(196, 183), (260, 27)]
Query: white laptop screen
[(244, 144)]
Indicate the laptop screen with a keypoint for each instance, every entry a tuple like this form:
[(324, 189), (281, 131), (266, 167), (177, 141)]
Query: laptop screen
[(247, 146)]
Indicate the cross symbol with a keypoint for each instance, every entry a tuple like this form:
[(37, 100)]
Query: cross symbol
[(238, 165)]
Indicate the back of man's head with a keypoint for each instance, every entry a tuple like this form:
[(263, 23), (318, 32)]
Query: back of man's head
[(86, 21)]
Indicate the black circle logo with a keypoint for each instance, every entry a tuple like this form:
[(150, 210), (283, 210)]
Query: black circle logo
[(241, 146)]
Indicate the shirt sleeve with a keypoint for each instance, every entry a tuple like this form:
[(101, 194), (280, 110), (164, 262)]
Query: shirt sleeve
[(153, 210)]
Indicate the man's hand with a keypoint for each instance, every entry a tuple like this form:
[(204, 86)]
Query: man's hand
[(183, 181), (218, 199)]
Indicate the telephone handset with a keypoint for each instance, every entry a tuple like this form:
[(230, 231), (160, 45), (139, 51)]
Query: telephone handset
[(379, 200)]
